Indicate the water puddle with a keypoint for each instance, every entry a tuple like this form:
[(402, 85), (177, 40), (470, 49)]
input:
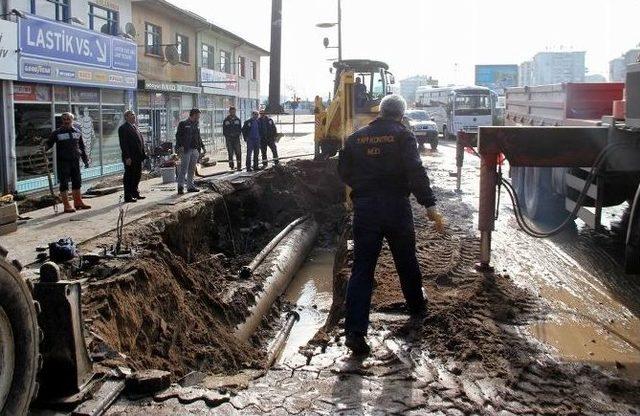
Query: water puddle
[(311, 292), (580, 339)]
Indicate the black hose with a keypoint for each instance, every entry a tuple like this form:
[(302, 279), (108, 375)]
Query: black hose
[(528, 229)]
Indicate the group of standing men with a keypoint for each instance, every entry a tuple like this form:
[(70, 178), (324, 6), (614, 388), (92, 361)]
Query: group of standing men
[(259, 132)]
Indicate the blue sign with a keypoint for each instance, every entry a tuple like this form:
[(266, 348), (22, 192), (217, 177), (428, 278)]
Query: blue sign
[(58, 52), (497, 77)]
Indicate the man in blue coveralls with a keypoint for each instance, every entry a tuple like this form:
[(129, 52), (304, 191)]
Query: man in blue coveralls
[(251, 135), (380, 162)]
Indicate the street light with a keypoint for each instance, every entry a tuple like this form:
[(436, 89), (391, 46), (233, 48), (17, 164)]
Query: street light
[(330, 25)]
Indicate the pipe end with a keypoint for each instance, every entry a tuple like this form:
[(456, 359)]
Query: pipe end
[(245, 273)]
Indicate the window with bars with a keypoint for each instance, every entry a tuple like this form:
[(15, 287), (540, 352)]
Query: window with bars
[(103, 20), (182, 43), (225, 61), (208, 56), (243, 67), (53, 9), (153, 39)]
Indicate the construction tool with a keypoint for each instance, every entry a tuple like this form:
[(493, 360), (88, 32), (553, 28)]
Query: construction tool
[(45, 159)]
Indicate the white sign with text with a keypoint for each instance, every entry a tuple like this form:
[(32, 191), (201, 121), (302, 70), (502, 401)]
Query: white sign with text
[(8, 50)]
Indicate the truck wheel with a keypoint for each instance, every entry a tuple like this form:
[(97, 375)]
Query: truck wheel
[(632, 246), (541, 203), (19, 339)]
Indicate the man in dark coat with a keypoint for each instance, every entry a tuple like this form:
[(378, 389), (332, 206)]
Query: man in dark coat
[(251, 135), (231, 130), (268, 135), (133, 154)]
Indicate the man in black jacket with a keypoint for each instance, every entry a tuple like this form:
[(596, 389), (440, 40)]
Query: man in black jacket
[(189, 143), (69, 150), (231, 130), (268, 135), (133, 154), (380, 162)]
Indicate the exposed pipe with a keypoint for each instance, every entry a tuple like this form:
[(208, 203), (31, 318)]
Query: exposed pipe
[(247, 271), (281, 339), (287, 258)]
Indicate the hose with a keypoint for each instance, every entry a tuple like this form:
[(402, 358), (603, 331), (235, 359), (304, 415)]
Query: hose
[(528, 229)]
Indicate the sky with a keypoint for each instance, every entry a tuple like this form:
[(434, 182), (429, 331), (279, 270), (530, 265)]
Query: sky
[(443, 38)]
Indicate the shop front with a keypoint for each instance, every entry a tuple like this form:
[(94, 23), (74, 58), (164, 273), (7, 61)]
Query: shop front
[(219, 92), (93, 76), (161, 106)]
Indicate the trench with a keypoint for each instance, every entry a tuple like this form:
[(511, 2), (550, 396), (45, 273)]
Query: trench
[(182, 305)]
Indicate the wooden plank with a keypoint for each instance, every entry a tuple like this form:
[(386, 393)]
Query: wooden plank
[(584, 213), (578, 184)]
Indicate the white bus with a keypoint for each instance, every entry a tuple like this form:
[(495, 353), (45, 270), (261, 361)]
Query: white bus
[(457, 108)]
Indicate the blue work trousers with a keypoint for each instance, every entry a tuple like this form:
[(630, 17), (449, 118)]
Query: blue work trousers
[(375, 218), (253, 148)]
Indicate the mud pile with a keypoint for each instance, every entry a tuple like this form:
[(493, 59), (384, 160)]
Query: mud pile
[(473, 329), (175, 304)]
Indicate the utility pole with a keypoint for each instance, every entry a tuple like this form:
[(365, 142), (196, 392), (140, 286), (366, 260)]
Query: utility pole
[(339, 30), (273, 106)]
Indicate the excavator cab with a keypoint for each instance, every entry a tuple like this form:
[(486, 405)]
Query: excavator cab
[(359, 86)]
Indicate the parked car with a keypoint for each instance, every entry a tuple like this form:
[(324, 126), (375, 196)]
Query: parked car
[(423, 127)]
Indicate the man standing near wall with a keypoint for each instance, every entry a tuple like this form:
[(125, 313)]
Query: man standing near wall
[(268, 135), (189, 143), (231, 129), (133, 154), (69, 150)]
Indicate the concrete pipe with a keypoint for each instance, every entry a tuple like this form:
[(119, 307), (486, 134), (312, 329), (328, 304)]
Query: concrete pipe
[(279, 267)]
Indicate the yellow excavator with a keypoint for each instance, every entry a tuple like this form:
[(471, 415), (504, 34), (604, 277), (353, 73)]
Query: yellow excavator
[(359, 86)]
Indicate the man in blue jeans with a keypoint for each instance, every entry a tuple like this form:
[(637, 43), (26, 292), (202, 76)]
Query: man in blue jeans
[(251, 135), (188, 142), (380, 162)]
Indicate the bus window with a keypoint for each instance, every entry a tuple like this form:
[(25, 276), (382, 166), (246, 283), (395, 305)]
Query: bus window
[(473, 104)]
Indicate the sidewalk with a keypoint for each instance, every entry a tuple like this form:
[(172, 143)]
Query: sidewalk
[(44, 226)]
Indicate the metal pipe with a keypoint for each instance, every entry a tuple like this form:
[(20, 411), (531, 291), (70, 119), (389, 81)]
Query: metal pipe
[(247, 271), (287, 258), (281, 339), (339, 30)]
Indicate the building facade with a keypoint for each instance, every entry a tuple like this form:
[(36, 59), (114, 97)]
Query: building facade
[(409, 86), (99, 58), (525, 74), (558, 67), (618, 66), (71, 57)]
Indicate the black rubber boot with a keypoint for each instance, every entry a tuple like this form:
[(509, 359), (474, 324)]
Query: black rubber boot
[(357, 345)]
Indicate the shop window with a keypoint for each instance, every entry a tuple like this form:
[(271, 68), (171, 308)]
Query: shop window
[(182, 43), (61, 93), (33, 124), (208, 56), (87, 120), (85, 95), (103, 20), (113, 96), (153, 39), (31, 92), (254, 70), (112, 119), (243, 69), (225, 61)]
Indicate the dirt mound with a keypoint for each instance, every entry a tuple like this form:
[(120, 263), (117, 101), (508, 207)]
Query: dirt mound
[(174, 306)]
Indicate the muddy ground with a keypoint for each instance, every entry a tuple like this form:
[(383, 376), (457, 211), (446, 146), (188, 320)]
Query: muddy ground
[(474, 353), (174, 304)]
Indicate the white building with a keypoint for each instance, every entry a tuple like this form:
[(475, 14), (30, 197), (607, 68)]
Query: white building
[(618, 66), (558, 67), (525, 73), (408, 86)]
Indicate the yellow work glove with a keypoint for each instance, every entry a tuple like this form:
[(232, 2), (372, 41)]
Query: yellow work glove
[(434, 215)]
